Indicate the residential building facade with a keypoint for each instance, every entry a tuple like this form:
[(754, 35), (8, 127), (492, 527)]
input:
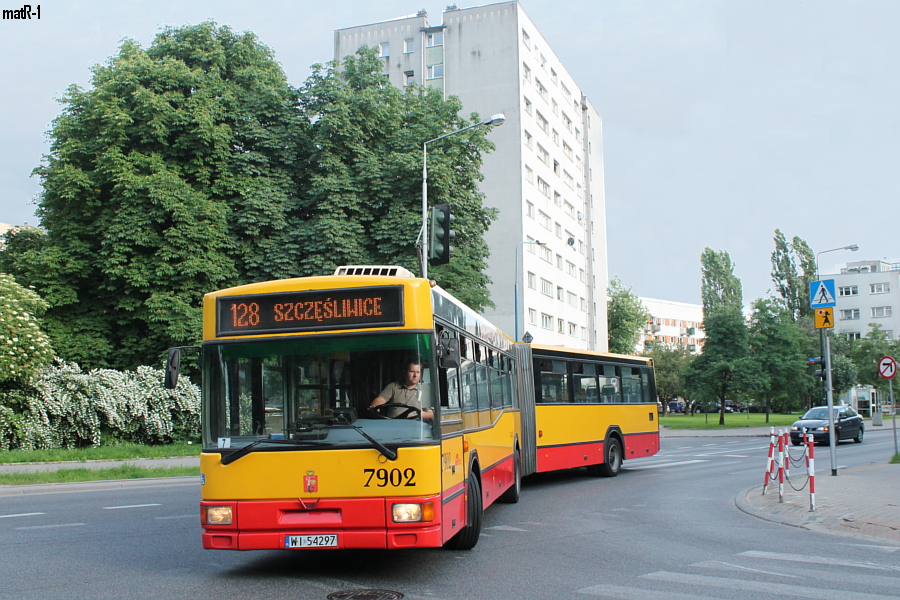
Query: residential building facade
[(867, 293), (672, 323), (545, 176)]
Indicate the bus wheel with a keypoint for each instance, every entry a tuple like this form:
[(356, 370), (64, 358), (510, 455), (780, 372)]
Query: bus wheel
[(511, 495), (613, 463), (468, 535)]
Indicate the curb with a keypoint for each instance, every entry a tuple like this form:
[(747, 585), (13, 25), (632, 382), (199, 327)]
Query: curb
[(95, 486)]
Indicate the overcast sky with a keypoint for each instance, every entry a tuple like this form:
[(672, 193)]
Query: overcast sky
[(723, 119)]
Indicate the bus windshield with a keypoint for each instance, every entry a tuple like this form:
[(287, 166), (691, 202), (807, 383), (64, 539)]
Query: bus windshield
[(315, 391)]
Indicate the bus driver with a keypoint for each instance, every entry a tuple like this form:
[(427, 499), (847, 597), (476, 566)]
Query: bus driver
[(407, 392)]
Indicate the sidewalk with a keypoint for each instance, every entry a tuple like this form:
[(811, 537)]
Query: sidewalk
[(862, 501)]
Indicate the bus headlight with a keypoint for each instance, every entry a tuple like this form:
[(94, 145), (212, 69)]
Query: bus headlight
[(217, 515), (413, 512)]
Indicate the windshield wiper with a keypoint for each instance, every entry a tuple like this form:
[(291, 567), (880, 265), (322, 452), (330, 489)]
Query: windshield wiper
[(385, 451), (245, 450)]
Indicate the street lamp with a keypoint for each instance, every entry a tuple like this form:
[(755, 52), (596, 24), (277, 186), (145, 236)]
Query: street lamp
[(825, 348), (495, 121), (516, 304)]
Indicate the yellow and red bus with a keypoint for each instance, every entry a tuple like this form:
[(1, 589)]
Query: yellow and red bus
[(293, 456)]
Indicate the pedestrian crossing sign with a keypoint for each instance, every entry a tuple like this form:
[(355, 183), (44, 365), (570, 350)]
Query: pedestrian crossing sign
[(821, 293), (824, 318)]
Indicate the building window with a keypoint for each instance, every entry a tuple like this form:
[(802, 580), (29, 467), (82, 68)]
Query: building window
[(408, 77), (532, 281), (385, 49), (570, 210), (850, 314), (557, 198), (559, 262), (554, 107), (566, 93), (529, 209), (526, 73), (409, 46), (526, 39), (881, 311), (542, 122), (528, 139), (573, 329), (573, 299), (543, 186), (848, 290), (560, 326), (434, 39), (527, 105), (556, 167), (568, 151), (555, 137), (853, 335), (435, 71), (879, 288), (542, 91), (543, 155), (529, 174), (567, 121), (546, 321), (532, 316), (570, 269), (544, 220), (557, 229), (560, 293), (545, 254)]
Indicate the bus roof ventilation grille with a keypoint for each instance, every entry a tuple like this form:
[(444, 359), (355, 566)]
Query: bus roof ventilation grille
[(376, 270)]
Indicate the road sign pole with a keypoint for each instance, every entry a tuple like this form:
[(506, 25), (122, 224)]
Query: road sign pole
[(894, 413), (830, 395)]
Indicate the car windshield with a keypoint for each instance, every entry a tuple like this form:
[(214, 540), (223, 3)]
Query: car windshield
[(312, 390), (820, 412)]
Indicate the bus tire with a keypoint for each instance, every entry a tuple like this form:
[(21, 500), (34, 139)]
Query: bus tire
[(511, 495), (468, 535), (613, 460)]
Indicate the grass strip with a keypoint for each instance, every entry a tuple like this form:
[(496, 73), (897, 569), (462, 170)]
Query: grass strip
[(67, 475), (710, 421), (111, 452)]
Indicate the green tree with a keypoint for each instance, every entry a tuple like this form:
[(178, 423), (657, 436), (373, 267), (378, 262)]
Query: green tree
[(626, 316), (24, 348), (719, 285), (866, 354), (793, 268), (670, 363), (724, 371), (360, 193), (776, 346)]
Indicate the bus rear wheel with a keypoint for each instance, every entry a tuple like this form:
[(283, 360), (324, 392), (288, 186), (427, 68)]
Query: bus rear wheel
[(612, 463), (468, 535)]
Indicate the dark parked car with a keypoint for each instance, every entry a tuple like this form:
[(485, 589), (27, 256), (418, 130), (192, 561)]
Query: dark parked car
[(848, 425)]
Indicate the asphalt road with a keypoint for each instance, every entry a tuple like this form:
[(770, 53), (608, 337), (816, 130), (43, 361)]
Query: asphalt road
[(666, 528)]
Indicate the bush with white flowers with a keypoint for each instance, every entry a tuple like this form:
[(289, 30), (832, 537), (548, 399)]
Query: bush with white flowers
[(24, 348), (65, 407)]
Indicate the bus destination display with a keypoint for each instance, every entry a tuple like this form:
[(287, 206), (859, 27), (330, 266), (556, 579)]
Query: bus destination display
[(310, 310)]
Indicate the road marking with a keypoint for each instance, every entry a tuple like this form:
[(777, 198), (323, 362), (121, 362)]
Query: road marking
[(20, 515), (717, 564), (819, 560), (664, 465), (631, 593), (129, 506), (765, 588), (506, 528), (49, 526)]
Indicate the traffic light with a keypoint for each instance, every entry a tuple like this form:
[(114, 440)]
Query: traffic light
[(439, 247), (818, 360)]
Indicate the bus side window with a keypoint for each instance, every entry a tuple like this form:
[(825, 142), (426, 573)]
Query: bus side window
[(584, 383), (646, 377), (631, 385), (610, 390), (554, 381)]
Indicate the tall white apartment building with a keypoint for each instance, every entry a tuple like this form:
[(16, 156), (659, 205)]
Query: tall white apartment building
[(867, 292), (672, 323), (546, 174)]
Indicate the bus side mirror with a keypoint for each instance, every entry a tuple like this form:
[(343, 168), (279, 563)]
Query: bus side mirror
[(448, 353), (173, 366)]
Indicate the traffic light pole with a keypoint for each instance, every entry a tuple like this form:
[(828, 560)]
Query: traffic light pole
[(830, 395)]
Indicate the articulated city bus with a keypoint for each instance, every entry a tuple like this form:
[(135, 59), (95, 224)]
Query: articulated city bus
[(301, 451)]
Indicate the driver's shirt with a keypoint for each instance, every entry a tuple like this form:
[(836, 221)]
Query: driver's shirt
[(397, 393)]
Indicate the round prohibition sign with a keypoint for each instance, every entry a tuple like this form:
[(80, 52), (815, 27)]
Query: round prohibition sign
[(887, 367)]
